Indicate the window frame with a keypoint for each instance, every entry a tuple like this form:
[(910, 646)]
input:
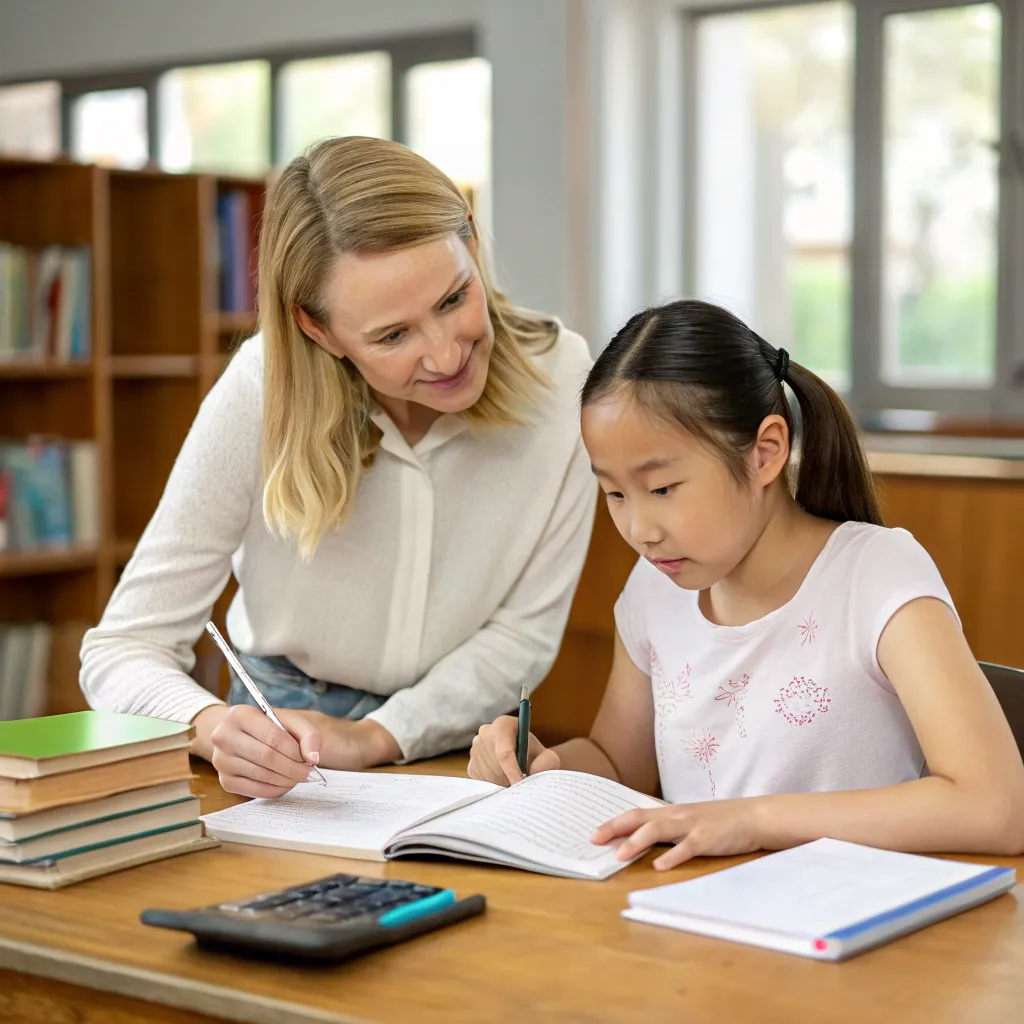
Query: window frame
[(868, 393), (405, 52)]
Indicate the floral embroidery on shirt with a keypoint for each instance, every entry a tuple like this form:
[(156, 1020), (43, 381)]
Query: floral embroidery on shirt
[(808, 630), (704, 747), (734, 693), (677, 688), (801, 700), (666, 699)]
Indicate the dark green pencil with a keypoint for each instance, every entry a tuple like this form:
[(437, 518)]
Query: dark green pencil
[(523, 736)]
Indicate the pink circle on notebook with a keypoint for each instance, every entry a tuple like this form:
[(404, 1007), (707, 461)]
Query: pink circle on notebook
[(820, 944)]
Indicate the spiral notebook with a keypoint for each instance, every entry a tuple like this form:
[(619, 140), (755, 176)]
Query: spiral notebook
[(827, 899)]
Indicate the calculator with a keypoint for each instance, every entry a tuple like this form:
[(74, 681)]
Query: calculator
[(331, 919)]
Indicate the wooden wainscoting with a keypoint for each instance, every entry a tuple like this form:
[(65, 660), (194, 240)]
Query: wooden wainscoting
[(974, 529)]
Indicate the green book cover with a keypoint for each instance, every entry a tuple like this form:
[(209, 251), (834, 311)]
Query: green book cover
[(80, 732)]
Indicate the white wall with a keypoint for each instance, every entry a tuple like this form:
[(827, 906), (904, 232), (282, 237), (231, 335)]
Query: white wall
[(41, 37)]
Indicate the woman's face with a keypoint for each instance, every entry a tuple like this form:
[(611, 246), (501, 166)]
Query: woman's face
[(413, 322)]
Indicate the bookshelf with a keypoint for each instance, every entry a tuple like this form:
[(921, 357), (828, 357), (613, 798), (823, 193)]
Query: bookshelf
[(158, 343)]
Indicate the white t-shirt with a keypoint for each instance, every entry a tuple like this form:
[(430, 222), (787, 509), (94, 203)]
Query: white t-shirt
[(792, 702)]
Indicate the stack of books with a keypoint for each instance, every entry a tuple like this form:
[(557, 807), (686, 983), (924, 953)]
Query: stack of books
[(45, 307), (92, 792), (49, 494)]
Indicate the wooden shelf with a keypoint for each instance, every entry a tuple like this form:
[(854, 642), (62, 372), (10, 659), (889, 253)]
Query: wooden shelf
[(26, 369), (154, 366), (235, 323), (38, 563)]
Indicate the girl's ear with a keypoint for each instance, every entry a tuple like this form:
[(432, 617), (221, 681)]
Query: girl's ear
[(771, 449)]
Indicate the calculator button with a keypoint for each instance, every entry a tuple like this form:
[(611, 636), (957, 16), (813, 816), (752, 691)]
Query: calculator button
[(289, 911)]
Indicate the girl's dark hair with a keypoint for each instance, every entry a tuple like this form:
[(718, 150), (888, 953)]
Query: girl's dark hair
[(700, 367)]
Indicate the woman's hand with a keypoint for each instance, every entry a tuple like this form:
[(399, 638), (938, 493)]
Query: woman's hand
[(253, 757), (492, 758), (714, 828)]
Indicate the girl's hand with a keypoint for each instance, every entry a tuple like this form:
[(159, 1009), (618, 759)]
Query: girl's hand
[(715, 828), (253, 757), (492, 757)]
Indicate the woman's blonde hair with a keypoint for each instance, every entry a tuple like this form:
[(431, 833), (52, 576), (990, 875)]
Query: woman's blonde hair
[(357, 195)]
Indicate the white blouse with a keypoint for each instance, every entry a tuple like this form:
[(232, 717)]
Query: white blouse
[(446, 589)]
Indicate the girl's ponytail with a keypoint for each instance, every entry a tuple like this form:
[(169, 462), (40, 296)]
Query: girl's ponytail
[(702, 368), (833, 479)]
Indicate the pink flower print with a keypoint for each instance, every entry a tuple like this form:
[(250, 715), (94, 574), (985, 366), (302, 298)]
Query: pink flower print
[(808, 630), (704, 747), (801, 700), (678, 688), (735, 696)]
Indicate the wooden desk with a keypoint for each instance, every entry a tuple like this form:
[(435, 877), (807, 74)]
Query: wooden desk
[(547, 949)]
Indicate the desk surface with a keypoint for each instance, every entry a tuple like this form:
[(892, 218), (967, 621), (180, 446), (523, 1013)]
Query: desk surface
[(547, 949)]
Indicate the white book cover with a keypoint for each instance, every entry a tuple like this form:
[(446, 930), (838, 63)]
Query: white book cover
[(85, 512)]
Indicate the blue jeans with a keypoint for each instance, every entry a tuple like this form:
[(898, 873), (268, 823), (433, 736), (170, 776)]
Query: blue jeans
[(286, 686)]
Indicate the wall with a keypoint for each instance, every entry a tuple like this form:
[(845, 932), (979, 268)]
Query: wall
[(41, 37)]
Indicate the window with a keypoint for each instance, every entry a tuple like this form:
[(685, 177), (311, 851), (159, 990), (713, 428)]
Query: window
[(216, 117), (326, 96), (109, 127), (30, 120), (449, 113), (854, 192), (774, 193), (941, 195)]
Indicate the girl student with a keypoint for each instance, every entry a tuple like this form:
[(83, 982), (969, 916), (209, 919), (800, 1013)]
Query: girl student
[(785, 667), (392, 469)]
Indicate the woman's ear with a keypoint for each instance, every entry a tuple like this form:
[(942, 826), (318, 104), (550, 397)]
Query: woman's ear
[(311, 329), (771, 449)]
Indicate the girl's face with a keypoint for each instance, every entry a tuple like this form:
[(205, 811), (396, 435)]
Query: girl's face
[(671, 497), (413, 322)]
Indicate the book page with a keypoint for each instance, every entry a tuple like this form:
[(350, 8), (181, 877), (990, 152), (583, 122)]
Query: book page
[(810, 890), (355, 810), (546, 819)]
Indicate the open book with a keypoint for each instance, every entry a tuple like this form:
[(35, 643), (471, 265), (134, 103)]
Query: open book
[(542, 824)]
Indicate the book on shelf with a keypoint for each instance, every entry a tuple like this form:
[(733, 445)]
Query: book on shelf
[(236, 246), (88, 793), (45, 303), (24, 669), (49, 494)]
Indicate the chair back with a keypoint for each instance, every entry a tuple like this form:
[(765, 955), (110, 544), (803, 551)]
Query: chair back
[(1008, 684)]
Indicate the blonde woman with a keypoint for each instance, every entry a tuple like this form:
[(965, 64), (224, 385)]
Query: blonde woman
[(392, 469)]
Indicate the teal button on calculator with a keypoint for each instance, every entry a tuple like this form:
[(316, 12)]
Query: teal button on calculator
[(330, 919)]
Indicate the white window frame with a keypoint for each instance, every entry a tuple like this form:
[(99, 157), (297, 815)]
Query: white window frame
[(868, 393)]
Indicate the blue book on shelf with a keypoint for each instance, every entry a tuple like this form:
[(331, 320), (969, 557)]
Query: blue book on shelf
[(40, 510), (81, 329)]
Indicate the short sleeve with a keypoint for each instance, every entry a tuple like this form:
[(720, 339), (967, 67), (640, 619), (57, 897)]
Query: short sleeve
[(631, 618), (893, 570)]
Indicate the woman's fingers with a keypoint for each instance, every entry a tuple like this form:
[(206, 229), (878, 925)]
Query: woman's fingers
[(307, 735), (248, 736), (243, 747), (247, 773)]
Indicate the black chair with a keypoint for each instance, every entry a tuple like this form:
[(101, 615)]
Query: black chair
[(1008, 684)]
